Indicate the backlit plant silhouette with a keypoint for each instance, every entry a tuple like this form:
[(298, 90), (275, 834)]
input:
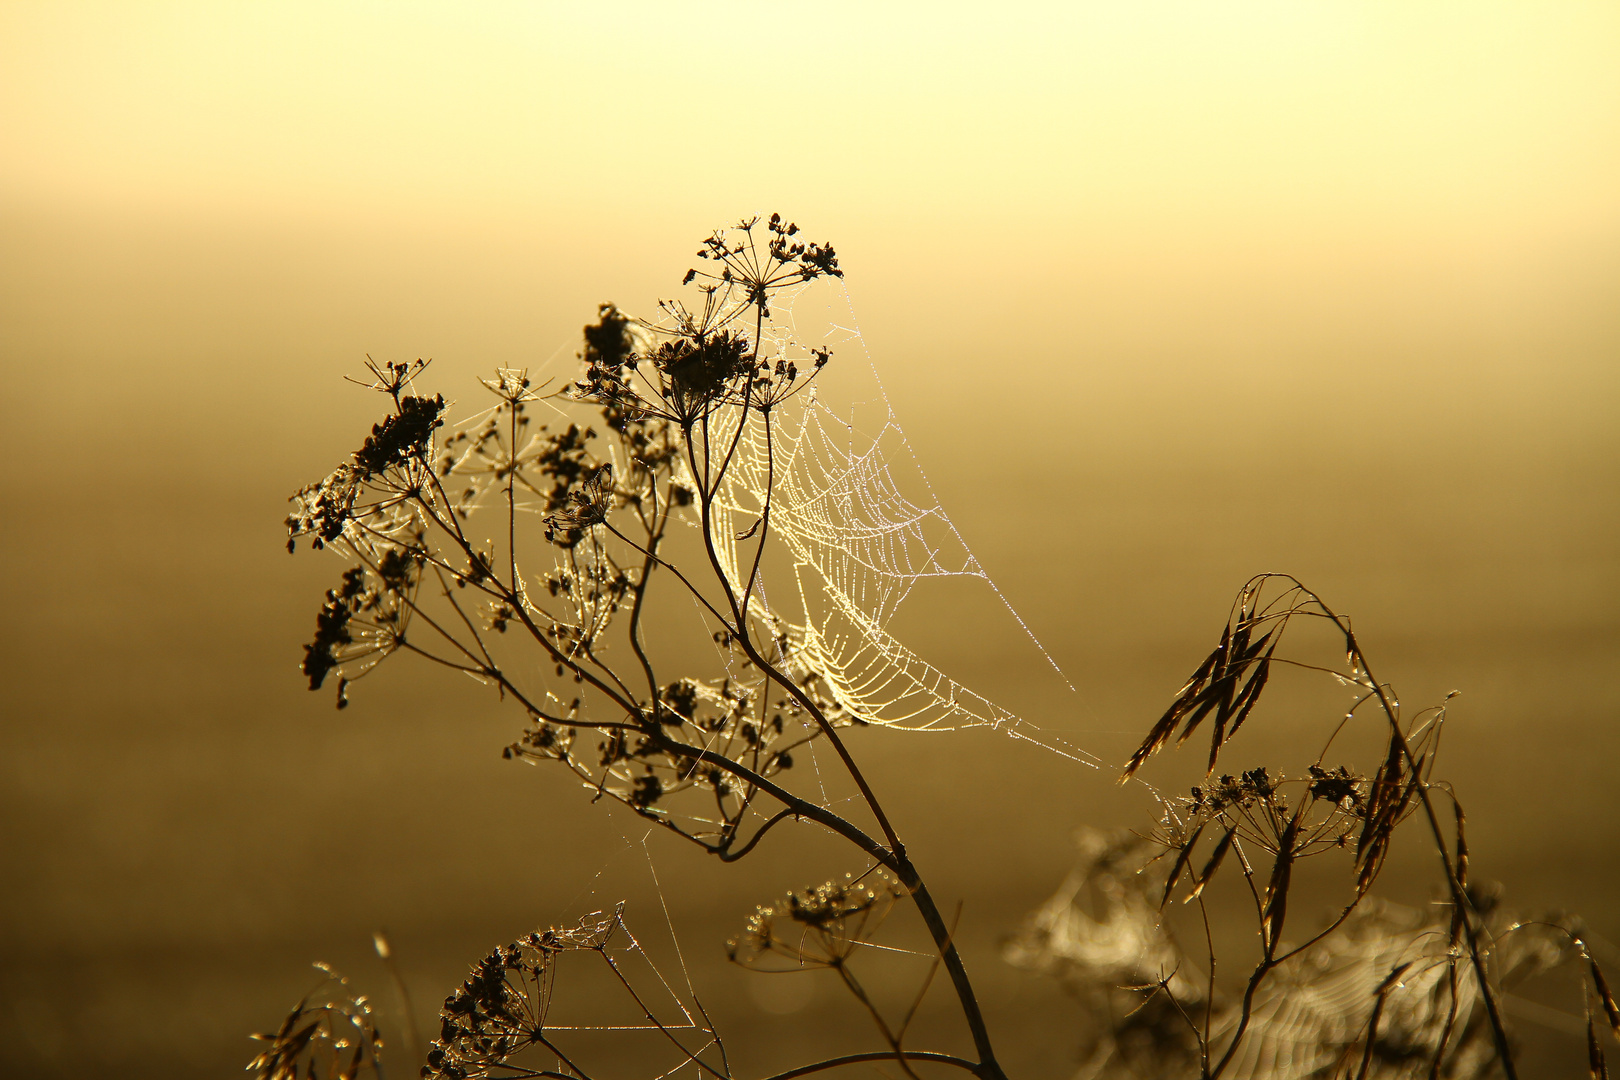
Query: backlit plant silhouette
[(665, 480)]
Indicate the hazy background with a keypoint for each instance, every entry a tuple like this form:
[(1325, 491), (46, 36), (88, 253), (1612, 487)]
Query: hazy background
[(1165, 294)]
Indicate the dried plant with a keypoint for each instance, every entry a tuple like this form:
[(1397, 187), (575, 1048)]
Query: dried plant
[(677, 408), (1374, 998), (480, 547), (500, 1016), (1380, 991), (329, 1035)]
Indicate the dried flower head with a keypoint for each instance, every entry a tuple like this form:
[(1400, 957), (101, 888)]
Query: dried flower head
[(500, 1009), (755, 273), (587, 505), (365, 618), (1256, 807), (368, 492), (711, 355), (816, 927)]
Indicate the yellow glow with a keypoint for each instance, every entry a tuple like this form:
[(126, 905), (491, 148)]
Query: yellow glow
[(1166, 293), (1056, 112)]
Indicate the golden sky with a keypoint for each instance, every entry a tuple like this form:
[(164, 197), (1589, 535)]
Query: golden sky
[(1058, 113), (1143, 175)]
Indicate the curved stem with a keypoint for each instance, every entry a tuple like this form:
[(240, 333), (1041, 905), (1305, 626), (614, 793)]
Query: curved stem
[(655, 533), (802, 807), (1245, 1014), (764, 518), (895, 858), (1459, 895), (726, 855), (776, 675)]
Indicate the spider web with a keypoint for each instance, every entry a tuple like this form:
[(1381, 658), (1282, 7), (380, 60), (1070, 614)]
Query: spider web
[(1104, 934), (862, 528)]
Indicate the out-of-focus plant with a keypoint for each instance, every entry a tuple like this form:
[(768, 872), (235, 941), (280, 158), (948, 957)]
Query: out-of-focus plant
[(1379, 991), (329, 1035)]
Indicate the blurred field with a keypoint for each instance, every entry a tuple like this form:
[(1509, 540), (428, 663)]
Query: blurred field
[(1391, 371)]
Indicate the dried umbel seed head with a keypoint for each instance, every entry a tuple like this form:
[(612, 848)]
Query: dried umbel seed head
[(1339, 787), (756, 274), (403, 437), (818, 926), (588, 505), (500, 1009)]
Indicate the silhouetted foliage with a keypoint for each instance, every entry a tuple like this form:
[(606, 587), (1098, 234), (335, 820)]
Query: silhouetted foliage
[(1380, 992)]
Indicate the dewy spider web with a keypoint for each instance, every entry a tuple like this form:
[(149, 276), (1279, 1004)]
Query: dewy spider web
[(863, 528)]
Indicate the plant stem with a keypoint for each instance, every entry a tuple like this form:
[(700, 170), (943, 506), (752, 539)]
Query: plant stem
[(898, 860)]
